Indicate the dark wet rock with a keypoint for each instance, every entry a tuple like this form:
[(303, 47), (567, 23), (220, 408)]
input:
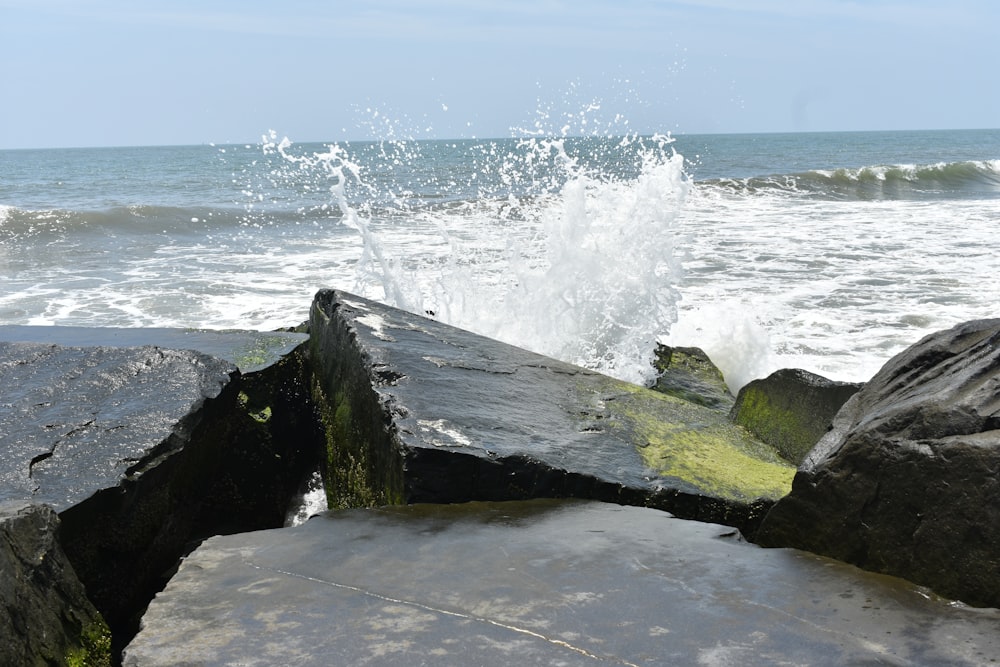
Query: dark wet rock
[(145, 450), (418, 411), (78, 420), (908, 480), (791, 409), (541, 582), (250, 351), (688, 373), (45, 616)]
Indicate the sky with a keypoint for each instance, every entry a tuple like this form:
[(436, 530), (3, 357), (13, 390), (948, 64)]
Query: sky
[(150, 72)]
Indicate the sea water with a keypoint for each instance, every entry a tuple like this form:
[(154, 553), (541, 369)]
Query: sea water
[(827, 251)]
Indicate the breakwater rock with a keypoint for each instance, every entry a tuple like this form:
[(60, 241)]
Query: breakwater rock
[(47, 618), (540, 582), (908, 480), (143, 450), (791, 409), (418, 411), (491, 505), (688, 373)]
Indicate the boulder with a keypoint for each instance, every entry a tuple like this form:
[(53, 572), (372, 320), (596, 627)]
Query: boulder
[(907, 482), (541, 582), (45, 616), (791, 409), (688, 373), (418, 411), (145, 450)]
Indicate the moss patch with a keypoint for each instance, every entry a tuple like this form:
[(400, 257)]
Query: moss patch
[(352, 478), (708, 459), (678, 439), (95, 647), (779, 426), (260, 414)]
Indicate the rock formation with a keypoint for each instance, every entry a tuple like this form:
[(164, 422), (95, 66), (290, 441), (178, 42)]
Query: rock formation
[(688, 373), (143, 451), (908, 480), (46, 618), (538, 582), (418, 411), (147, 442), (791, 409)]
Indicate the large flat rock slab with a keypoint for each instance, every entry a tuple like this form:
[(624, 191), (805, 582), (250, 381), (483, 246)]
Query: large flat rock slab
[(545, 582), (248, 350), (418, 411), (77, 420)]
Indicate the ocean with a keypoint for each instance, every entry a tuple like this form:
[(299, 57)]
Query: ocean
[(824, 251)]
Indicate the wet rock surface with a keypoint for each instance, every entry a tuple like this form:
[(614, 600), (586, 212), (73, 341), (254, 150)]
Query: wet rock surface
[(418, 411), (144, 450), (539, 582), (791, 409), (908, 480), (77, 420), (250, 351), (688, 373), (47, 617)]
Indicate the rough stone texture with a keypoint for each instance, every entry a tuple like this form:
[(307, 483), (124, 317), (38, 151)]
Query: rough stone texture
[(688, 373), (80, 419), (250, 351), (417, 411), (45, 616), (545, 582), (791, 409), (908, 480), (144, 450)]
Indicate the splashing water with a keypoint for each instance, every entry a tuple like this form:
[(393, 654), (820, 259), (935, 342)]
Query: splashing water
[(562, 246)]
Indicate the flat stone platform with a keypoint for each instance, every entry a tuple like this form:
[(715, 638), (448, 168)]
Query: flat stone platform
[(541, 582)]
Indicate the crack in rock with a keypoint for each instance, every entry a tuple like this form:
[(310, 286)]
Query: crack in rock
[(35, 460), (445, 612)]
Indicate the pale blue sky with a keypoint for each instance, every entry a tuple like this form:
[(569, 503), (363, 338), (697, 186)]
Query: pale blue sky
[(135, 72)]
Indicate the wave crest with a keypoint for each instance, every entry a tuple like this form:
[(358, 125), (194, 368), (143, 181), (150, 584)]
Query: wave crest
[(877, 182)]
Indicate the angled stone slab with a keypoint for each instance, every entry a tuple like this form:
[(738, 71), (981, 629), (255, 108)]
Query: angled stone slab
[(418, 411), (544, 582)]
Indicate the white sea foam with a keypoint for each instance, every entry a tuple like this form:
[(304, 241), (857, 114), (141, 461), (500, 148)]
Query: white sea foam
[(833, 287), (538, 242)]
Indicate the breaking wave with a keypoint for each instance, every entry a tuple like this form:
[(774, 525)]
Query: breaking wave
[(899, 182)]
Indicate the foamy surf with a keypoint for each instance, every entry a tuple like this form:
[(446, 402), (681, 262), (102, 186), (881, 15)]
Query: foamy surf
[(588, 249), (579, 266)]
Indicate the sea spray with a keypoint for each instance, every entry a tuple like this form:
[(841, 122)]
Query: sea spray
[(732, 337), (594, 284), (561, 251)]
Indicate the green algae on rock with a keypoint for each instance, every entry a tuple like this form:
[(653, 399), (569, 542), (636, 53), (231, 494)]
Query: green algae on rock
[(95, 647), (688, 373), (687, 441), (791, 409)]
